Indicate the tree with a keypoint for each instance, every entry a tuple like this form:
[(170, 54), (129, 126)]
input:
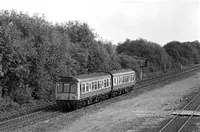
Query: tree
[(159, 60)]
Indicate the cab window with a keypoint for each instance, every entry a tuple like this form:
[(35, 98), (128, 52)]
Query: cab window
[(73, 88), (59, 87)]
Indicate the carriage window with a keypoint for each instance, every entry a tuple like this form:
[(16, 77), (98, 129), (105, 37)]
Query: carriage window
[(107, 83), (95, 85), (125, 79), (60, 88), (83, 87), (101, 83), (87, 87), (101, 86), (104, 83), (115, 81), (98, 85), (92, 85), (133, 78)]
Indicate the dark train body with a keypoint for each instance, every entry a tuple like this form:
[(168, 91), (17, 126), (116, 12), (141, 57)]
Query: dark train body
[(82, 90)]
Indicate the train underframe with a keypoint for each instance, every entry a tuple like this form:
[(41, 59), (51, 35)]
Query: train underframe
[(76, 104)]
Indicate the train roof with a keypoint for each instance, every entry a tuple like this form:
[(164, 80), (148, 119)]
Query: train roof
[(122, 71), (83, 76), (93, 75), (68, 79)]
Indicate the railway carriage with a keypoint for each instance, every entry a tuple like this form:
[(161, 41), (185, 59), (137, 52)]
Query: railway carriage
[(123, 81), (82, 90)]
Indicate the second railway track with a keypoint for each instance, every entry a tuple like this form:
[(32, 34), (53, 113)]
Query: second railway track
[(182, 118)]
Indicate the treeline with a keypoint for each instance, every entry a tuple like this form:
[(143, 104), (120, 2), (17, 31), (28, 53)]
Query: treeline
[(34, 53), (172, 56)]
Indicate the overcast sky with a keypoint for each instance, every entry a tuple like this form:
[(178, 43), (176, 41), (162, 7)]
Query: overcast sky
[(159, 21)]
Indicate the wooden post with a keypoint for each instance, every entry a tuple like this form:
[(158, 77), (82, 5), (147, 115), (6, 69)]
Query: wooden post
[(1, 98), (1, 69), (141, 73)]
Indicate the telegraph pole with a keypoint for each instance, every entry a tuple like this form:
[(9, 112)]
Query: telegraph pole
[(1, 67)]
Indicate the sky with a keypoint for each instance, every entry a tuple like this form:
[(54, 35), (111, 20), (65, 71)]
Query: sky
[(159, 21)]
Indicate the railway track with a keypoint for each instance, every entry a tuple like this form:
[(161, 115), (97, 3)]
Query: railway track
[(25, 120), (179, 122), (30, 118)]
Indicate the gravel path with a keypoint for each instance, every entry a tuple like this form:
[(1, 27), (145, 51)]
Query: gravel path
[(146, 110)]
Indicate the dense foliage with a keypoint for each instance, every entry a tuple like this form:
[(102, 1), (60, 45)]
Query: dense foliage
[(185, 53), (158, 59), (35, 53)]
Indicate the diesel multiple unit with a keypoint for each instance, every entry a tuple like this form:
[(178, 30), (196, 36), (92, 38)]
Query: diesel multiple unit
[(79, 91)]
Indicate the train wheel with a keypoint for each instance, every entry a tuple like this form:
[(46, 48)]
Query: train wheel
[(102, 97), (97, 99), (113, 94), (126, 90), (84, 103), (89, 101), (123, 91), (78, 105)]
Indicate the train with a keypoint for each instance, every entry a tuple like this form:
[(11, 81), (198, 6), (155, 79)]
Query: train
[(74, 92)]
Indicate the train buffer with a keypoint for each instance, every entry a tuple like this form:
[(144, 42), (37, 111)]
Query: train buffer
[(186, 113)]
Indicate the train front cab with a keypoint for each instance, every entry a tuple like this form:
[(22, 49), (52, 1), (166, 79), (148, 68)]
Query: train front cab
[(67, 94)]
